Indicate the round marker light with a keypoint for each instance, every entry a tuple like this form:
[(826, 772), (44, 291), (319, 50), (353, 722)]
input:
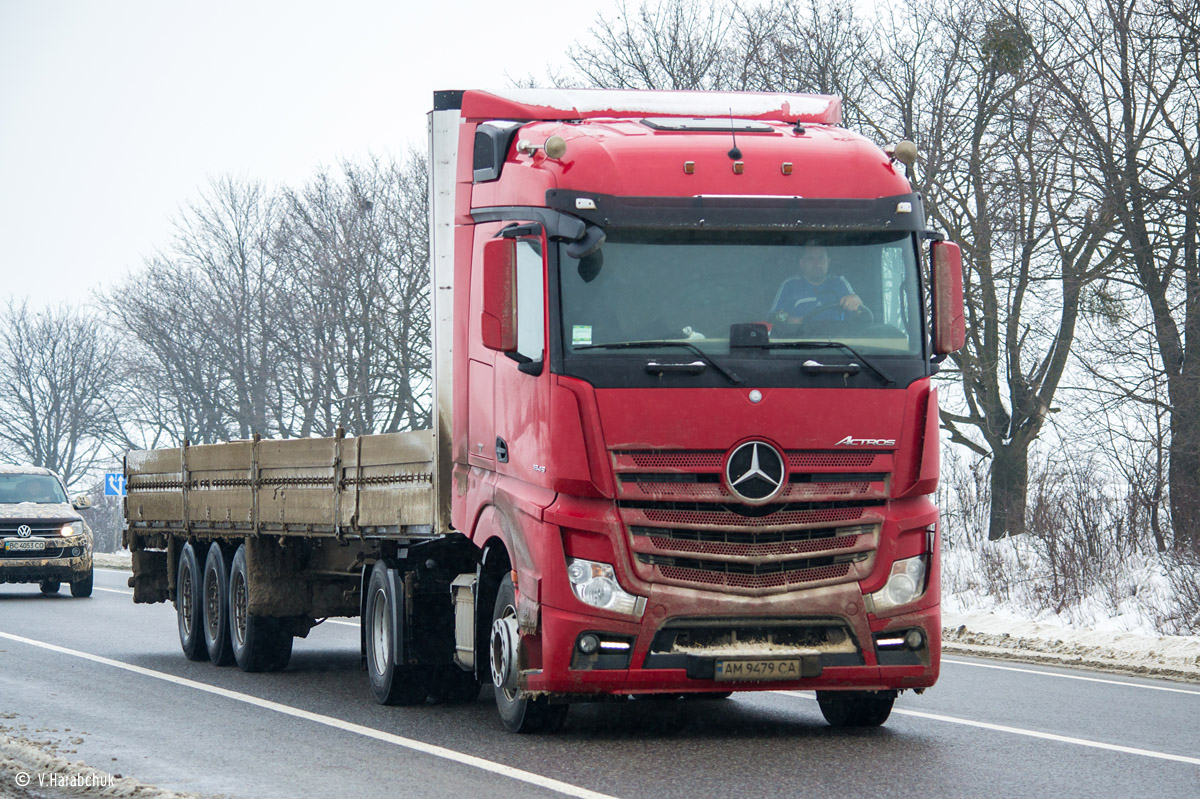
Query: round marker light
[(914, 639), (588, 643)]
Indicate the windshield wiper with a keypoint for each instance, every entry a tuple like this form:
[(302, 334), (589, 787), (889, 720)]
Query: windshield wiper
[(649, 345), (801, 345)]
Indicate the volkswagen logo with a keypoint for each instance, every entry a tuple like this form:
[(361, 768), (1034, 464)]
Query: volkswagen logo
[(24, 531), (755, 472)]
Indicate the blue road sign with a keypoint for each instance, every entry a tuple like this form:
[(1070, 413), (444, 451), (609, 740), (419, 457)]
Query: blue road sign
[(114, 484)]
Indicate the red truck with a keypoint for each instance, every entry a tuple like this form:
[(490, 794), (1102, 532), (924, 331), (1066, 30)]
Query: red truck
[(684, 442)]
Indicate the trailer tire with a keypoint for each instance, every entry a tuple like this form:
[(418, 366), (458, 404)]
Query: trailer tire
[(217, 636), (391, 683), (260, 643), (189, 605), (82, 587), (856, 708), (49, 587), (521, 714)]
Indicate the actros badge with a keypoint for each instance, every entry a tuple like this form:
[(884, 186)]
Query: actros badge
[(755, 472)]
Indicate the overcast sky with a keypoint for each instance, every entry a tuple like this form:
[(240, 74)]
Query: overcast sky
[(114, 113)]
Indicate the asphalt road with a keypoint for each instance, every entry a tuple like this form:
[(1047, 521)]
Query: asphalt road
[(109, 675)]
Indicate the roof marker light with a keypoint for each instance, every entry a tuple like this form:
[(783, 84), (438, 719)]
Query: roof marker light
[(689, 167), (739, 167), (787, 167)]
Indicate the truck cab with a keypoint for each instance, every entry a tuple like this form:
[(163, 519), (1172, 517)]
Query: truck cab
[(686, 343)]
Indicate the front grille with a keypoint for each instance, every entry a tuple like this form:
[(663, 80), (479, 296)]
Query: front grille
[(687, 528), (9, 529)]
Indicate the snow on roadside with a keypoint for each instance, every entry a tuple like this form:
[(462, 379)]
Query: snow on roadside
[(32, 769)]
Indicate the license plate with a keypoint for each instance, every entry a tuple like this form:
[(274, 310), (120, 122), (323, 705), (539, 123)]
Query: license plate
[(24, 546), (757, 670)]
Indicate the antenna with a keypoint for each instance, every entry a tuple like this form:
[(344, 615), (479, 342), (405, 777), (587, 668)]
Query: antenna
[(735, 153)]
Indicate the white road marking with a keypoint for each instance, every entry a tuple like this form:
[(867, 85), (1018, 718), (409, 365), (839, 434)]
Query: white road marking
[(353, 624), (1046, 736), (490, 766), (1072, 676), (112, 590), (112, 571)]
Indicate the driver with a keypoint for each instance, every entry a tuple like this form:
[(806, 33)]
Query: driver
[(813, 288)]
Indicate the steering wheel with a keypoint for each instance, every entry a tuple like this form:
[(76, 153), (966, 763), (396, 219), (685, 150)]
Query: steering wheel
[(863, 311)]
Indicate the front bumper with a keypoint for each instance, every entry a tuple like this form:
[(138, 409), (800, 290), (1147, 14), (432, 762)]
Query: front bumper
[(857, 663), (64, 569)]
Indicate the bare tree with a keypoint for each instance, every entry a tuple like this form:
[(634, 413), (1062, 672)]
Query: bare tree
[(672, 44), (56, 378), (1125, 74)]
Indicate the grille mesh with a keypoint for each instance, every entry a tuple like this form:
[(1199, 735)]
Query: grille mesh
[(728, 519), (755, 581), (753, 550)]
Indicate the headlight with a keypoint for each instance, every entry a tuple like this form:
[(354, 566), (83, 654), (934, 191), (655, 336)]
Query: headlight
[(905, 584), (70, 529), (596, 584)]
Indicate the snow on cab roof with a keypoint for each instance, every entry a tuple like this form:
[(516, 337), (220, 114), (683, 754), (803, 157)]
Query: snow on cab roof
[(583, 103)]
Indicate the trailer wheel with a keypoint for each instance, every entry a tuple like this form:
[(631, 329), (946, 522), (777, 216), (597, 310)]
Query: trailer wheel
[(260, 643), (189, 605), (217, 637), (391, 683), (83, 586), (49, 587), (519, 714), (856, 708)]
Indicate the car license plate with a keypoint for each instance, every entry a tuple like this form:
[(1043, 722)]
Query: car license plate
[(24, 546), (757, 670)]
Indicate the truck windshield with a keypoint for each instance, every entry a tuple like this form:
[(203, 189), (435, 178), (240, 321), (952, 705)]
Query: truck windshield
[(38, 488), (727, 291)]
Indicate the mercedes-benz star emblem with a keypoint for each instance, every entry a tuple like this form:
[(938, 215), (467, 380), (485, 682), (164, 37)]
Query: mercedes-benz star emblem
[(754, 472), (24, 531)]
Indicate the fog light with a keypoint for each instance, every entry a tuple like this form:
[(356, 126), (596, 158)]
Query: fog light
[(75, 552), (588, 643), (915, 639)]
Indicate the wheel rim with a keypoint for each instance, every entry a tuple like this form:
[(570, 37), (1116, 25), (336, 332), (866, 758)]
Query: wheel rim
[(381, 633), (212, 604), (501, 664), (239, 608), (185, 600)]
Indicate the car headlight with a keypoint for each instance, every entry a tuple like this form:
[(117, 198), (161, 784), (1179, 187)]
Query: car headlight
[(70, 529), (905, 584), (596, 584)]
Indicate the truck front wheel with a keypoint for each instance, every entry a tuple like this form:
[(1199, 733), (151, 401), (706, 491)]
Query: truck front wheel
[(189, 605), (260, 643), (391, 683), (519, 714), (856, 708)]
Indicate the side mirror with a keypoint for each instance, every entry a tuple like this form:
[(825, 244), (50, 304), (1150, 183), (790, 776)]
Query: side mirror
[(949, 322), (499, 318), (81, 502)]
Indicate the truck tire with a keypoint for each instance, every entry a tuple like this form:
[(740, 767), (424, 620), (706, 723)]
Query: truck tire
[(189, 605), (49, 587), (260, 643), (520, 714), (391, 683), (217, 637), (856, 708), (83, 586)]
